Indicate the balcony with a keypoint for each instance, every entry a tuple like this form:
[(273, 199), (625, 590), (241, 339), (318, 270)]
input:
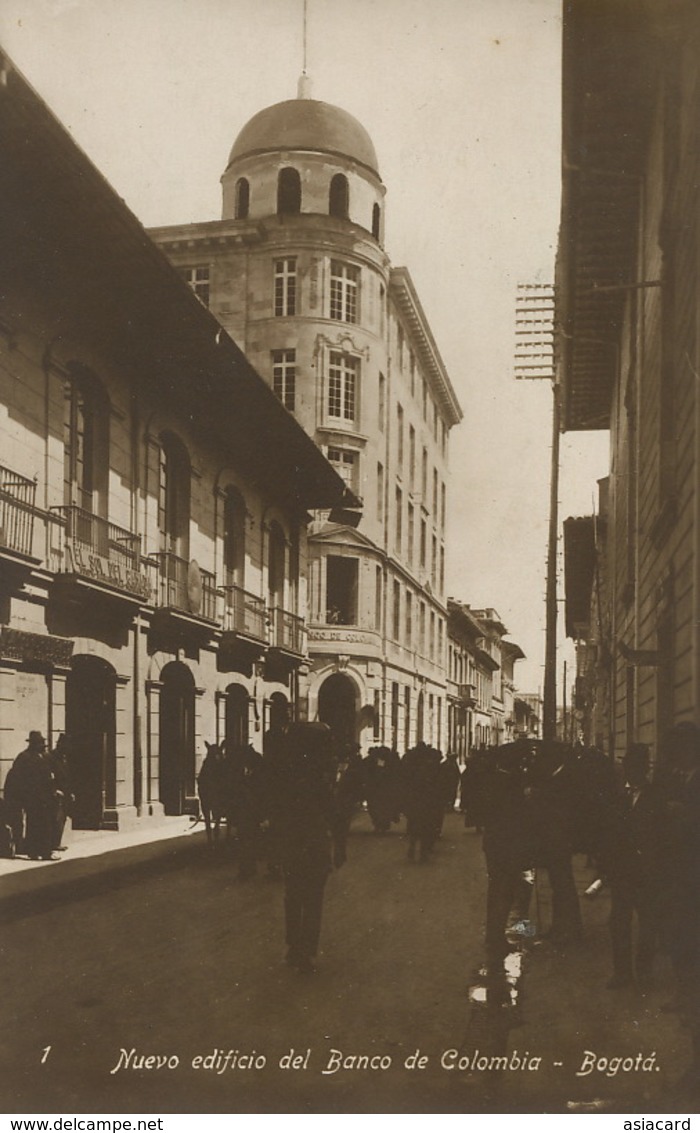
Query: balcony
[(467, 694), (286, 631), (184, 590), (244, 613), (98, 555), (17, 512)]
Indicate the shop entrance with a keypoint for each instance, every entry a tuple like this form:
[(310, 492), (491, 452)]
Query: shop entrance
[(177, 755), (92, 740)]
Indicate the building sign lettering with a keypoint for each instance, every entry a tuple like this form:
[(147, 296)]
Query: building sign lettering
[(80, 560), (18, 645)]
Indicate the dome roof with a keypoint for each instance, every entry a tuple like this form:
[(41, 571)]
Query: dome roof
[(304, 123)]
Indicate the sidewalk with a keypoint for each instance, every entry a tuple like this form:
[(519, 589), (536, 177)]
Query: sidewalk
[(569, 1015), (94, 856)]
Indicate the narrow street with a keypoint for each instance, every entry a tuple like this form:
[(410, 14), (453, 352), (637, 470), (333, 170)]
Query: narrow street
[(184, 962)]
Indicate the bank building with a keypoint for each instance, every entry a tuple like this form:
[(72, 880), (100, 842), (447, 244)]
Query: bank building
[(297, 273)]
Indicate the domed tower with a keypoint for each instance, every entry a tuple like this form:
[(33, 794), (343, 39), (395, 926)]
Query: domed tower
[(296, 272)]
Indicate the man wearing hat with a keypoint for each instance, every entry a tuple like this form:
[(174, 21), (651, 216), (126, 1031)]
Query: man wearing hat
[(29, 788), (309, 835)]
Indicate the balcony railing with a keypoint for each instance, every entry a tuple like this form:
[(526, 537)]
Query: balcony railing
[(184, 586), (17, 495), (244, 613), (286, 630), (91, 547)]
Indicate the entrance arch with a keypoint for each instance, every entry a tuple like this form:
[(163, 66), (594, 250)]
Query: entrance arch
[(237, 701), (337, 707), (91, 730), (177, 759)]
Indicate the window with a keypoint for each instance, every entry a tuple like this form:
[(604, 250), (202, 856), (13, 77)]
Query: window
[(276, 567), (198, 278), (234, 538), (381, 403), (407, 715), (409, 619), (412, 369), (425, 399), (242, 203), (380, 493), (435, 495), (433, 567), (378, 599), (339, 197), (376, 221), (396, 618), (442, 568), (421, 632), (341, 590), (286, 286), (411, 457), (399, 436), (423, 542), (411, 533), (432, 634), (443, 501), (424, 477), (174, 497), (284, 373), (288, 192), (81, 442), (399, 345), (342, 386), (399, 520), (344, 289), (345, 463)]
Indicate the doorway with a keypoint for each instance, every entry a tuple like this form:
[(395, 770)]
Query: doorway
[(91, 732), (177, 755)]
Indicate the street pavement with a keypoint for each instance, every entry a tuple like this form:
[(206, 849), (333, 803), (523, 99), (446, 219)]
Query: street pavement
[(157, 952)]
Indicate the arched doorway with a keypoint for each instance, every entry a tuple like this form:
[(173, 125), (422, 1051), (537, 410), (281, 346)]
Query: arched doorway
[(177, 762), (337, 707), (91, 731), (237, 701)]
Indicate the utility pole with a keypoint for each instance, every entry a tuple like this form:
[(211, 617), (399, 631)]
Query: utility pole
[(534, 361)]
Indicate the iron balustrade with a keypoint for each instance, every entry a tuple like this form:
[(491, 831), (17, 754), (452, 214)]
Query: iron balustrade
[(91, 546), (183, 587), (286, 630), (17, 496), (244, 613)]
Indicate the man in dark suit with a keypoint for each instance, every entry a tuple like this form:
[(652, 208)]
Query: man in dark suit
[(309, 834), (633, 867)]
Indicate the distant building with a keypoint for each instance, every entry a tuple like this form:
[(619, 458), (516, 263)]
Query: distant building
[(481, 688), (154, 497), (297, 272), (528, 716)]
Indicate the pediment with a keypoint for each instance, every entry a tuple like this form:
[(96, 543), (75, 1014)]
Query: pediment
[(338, 535)]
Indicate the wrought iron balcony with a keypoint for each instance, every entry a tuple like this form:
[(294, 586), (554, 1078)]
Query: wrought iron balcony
[(244, 613), (286, 630), (92, 548), (17, 495), (183, 586)]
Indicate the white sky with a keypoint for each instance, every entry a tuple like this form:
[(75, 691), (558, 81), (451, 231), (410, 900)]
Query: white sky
[(462, 101)]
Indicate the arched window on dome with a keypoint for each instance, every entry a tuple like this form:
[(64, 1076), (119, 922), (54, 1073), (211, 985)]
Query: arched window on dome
[(339, 197), (288, 191), (376, 221), (242, 198)]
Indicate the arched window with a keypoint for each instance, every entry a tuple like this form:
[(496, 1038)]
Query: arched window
[(85, 442), (288, 191), (339, 197), (174, 497), (234, 538), (376, 221), (242, 198)]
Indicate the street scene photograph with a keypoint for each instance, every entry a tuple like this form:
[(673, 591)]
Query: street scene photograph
[(349, 559)]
